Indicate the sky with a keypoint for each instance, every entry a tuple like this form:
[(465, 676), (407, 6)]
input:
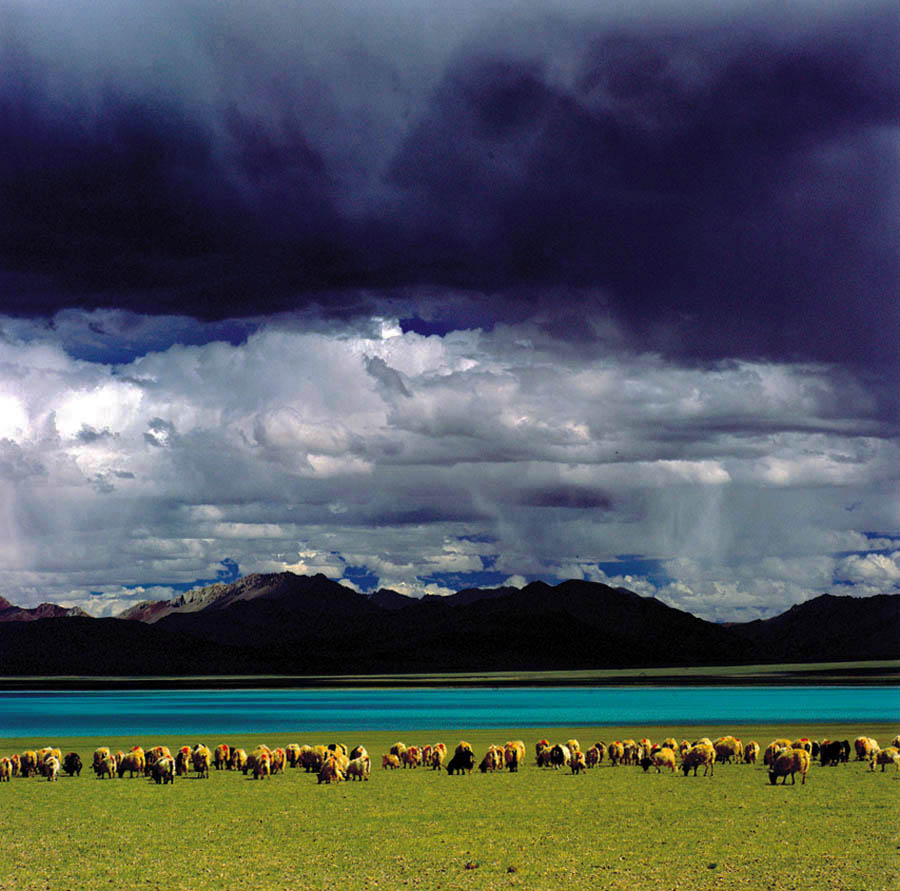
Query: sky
[(428, 296)]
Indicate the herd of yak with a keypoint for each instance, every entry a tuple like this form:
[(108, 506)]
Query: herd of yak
[(335, 763), (783, 757)]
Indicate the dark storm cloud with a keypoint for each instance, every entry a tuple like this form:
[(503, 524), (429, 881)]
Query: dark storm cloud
[(565, 497), (729, 199), (88, 434), (720, 184)]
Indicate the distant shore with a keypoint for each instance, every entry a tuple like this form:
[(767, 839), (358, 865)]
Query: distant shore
[(877, 673)]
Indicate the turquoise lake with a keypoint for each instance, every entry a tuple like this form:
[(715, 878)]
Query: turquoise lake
[(124, 713)]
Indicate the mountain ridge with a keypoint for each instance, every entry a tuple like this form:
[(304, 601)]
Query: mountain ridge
[(11, 613), (284, 623)]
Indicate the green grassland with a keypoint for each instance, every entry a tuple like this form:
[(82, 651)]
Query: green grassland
[(616, 828)]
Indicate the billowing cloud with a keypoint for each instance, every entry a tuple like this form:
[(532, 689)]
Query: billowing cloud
[(878, 569), (429, 463)]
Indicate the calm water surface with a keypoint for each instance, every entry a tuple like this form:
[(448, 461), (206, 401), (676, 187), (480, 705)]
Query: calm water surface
[(123, 713)]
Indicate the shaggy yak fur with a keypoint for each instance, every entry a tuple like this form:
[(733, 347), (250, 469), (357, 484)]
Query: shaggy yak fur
[(696, 755), (163, 770), (463, 760), (359, 768), (890, 755), (788, 763), (221, 756)]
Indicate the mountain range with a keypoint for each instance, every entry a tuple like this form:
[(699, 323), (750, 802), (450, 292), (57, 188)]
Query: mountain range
[(10, 613), (296, 625)]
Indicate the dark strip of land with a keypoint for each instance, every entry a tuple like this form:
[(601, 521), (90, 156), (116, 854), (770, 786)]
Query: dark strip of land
[(880, 673)]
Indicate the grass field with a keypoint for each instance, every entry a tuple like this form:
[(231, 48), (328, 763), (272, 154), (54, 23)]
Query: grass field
[(616, 828)]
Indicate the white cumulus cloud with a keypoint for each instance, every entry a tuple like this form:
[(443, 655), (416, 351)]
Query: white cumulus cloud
[(424, 462)]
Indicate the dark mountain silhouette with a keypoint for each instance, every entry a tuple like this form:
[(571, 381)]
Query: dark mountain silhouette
[(856, 628), (288, 624), (388, 599), (470, 595), (79, 646)]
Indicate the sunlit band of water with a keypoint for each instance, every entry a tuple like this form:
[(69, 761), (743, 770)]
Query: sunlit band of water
[(141, 712)]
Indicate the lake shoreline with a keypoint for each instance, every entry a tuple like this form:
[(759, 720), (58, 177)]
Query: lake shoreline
[(881, 673)]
